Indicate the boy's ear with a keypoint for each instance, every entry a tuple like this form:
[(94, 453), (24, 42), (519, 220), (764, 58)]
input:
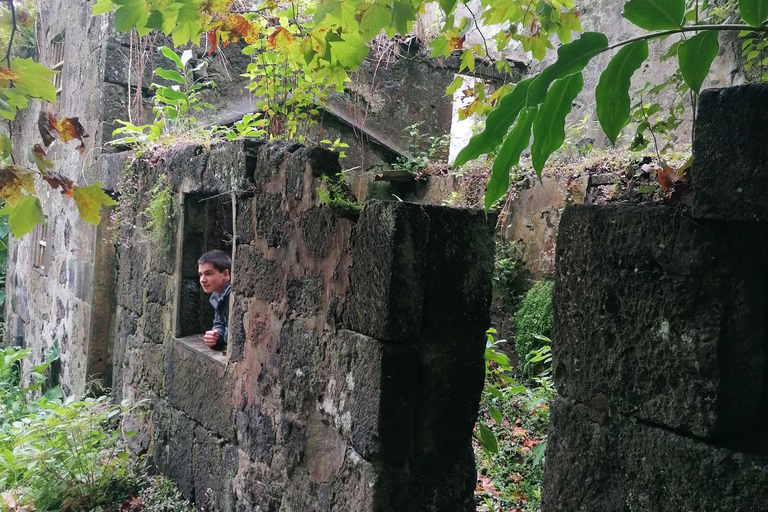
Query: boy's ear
[(226, 274)]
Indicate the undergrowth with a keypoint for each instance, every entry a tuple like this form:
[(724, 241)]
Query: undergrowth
[(532, 320), (58, 453), (511, 433)]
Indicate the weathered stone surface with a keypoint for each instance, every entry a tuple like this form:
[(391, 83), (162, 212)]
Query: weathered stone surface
[(271, 223), (317, 228), (731, 130), (457, 295), (386, 288), (202, 389), (256, 275), (371, 395), (662, 316), (603, 461)]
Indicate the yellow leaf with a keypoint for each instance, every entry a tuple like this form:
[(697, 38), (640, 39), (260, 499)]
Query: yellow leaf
[(89, 201), (14, 179)]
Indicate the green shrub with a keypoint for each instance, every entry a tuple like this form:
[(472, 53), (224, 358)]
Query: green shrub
[(532, 319)]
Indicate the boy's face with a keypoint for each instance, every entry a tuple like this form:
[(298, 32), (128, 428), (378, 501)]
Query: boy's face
[(211, 279)]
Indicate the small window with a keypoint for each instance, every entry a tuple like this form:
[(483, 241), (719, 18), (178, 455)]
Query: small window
[(57, 64), (207, 226), (40, 248)]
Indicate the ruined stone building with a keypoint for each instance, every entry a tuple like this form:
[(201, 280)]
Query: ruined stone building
[(355, 360)]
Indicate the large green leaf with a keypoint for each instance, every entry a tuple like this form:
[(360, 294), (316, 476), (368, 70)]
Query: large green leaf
[(487, 439), (130, 14), (509, 156), (549, 126), (497, 124), (24, 216), (655, 14), (170, 74), (403, 14), (612, 93), (696, 56), (571, 58), (89, 201), (754, 12)]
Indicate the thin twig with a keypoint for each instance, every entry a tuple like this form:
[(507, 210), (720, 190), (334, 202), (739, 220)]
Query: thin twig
[(13, 33)]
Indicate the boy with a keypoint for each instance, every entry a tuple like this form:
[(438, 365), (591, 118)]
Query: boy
[(214, 267)]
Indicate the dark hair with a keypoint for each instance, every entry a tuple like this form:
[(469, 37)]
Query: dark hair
[(219, 259)]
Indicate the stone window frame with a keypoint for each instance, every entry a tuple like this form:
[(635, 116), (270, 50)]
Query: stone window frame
[(194, 342), (40, 251)]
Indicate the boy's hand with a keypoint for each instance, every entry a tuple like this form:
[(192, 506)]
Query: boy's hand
[(210, 338)]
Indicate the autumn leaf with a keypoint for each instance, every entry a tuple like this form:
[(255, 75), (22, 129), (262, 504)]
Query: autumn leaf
[(236, 27), (6, 75), (280, 38), (667, 177), (37, 156), (69, 128), (24, 216), (89, 201), (13, 180), (46, 123), (56, 180)]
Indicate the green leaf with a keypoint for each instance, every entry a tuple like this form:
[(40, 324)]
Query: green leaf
[(508, 157), (188, 25), (487, 439), (6, 147), (169, 74), (549, 126), (497, 124), (467, 60), (754, 12), (496, 414), (447, 5), (375, 17), (455, 85), (89, 201), (102, 7), (170, 54), (131, 14), (350, 51), (571, 58), (440, 47), (696, 56), (34, 79), (612, 92), (403, 15), (163, 16), (655, 14), (23, 217)]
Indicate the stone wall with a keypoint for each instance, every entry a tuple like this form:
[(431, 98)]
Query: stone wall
[(65, 298), (355, 363), (660, 347)]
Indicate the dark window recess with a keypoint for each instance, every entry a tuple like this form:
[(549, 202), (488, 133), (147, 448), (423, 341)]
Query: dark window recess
[(207, 226)]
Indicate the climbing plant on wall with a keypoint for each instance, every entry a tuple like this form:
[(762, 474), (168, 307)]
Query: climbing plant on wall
[(21, 80)]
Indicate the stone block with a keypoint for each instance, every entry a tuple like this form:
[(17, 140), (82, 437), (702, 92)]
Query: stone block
[(271, 157), (451, 369), (227, 164), (317, 228), (603, 461), (376, 384), (212, 471), (300, 357), (181, 442), (730, 156), (271, 222), (202, 389), (256, 276), (662, 317), (150, 367), (256, 433), (386, 289)]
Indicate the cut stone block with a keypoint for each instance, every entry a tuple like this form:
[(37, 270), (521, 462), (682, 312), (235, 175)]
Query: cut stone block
[(662, 317), (730, 154), (202, 389), (386, 290), (602, 461)]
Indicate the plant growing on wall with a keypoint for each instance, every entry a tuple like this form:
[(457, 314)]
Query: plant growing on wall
[(23, 80), (327, 39)]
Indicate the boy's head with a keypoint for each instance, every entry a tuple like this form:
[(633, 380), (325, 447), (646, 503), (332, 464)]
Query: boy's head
[(213, 268)]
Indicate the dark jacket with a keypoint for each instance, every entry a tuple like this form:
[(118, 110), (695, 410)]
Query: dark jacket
[(220, 305)]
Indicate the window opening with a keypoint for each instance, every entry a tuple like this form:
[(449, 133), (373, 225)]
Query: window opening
[(40, 247), (207, 226), (57, 64)]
